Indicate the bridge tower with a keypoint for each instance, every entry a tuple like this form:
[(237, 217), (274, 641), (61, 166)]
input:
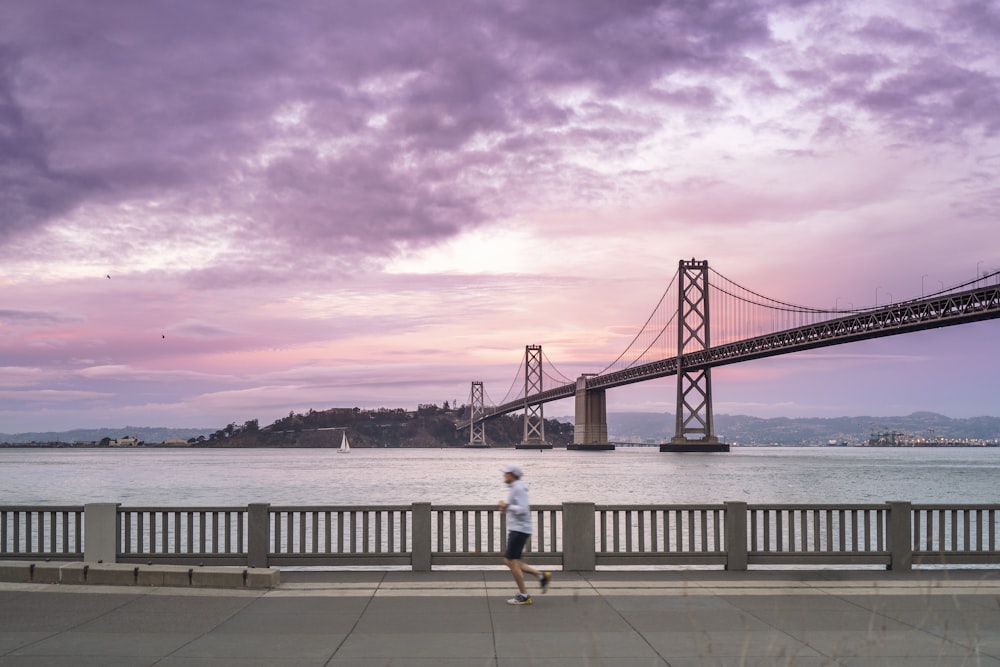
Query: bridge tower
[(534, 415), (477, 427), (694, 382)]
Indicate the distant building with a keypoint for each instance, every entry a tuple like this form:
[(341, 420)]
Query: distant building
[(127, 441)]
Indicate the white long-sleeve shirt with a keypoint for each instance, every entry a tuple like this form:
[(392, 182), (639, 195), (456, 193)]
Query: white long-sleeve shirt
[(518, 507)]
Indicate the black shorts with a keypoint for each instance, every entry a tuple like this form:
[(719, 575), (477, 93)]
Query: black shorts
[(515, 544)]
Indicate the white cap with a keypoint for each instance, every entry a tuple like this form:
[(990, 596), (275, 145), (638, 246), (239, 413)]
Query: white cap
[(514, 470)]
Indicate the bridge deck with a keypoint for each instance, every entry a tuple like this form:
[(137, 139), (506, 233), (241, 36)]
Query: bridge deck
[(973, 305)]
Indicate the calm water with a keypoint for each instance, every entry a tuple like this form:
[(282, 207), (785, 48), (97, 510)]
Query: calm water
[(368, 476)]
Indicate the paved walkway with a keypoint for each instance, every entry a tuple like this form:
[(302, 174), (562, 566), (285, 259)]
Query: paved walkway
[(681, 619)]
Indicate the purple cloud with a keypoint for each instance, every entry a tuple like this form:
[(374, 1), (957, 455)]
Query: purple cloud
[(338, 186), (182, 101), (15, 317)]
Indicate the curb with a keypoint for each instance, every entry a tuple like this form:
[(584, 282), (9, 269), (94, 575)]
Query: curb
[(121, 574)]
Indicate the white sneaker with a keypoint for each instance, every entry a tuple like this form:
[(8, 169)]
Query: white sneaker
[(520, 598)]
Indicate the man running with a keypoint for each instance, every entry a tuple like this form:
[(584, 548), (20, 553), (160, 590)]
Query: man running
[(518, 511)]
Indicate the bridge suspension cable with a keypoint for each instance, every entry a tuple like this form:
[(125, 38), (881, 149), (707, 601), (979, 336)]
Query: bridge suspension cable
[(657, 339), (739, 313), (561, 378), (516, 390), (518, 383)]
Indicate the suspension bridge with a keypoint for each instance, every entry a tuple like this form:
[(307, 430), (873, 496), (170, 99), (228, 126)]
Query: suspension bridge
[(676, 340)]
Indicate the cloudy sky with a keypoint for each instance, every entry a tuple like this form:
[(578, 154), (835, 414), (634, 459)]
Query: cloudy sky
[(217, 211)]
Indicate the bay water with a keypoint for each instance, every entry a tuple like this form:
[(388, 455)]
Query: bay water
[(641, 475)]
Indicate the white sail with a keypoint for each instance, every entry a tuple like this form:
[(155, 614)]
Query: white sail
[(344, 447)]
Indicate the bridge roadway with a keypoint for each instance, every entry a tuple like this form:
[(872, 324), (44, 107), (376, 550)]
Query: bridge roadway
[(676, 619), (977, 304)]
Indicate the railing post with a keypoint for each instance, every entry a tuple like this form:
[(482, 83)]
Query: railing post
[(420, 558), (900, 537), (578, 546), (736, 535), (100, 533), (258, 533)]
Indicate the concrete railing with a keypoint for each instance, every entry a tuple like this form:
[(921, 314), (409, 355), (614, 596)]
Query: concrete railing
[(41, 531), (576, 536)]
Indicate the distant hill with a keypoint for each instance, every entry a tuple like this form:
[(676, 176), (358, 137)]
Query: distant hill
[(430, 426), (144, 433), (807, 430)]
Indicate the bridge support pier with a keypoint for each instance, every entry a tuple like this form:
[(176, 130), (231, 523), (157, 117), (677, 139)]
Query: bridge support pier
[(590, 430), (686, 445)]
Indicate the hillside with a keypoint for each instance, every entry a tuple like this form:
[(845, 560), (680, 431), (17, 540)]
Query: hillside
[(428, 426)]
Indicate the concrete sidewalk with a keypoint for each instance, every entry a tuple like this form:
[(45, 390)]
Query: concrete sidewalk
[(680, 619)]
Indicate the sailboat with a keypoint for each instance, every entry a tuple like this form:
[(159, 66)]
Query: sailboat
[(344, 447)]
